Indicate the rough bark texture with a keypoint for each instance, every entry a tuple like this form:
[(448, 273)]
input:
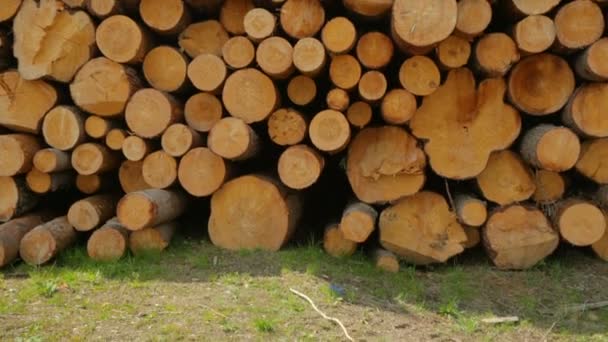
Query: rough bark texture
[(45, 241)]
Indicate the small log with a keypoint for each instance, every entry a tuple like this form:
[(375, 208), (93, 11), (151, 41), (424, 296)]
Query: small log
[(473, 18), (398, 106), (375, 50), (495, 54), (15, 198), (359, 114), (534, 34), (287, 127), (123, 40), (419, 75), (259, 24), (473, 236), (91, 212), (179, 139), (550, 147), (416, 36), (63, 128), (579, 222), (39, 52), (329, 131), (335, 244), (165, 17), (252, 212), (337, 99), (300, 166), (421, 229), (115, 138), (309, 56), (17, 151), (453, 52), (522, 8), (301, 90), (369, 9), (384, 164), (135, 148), (46, 241), (42, 183), (233, 139), (274, 56), (550, 187), (344, 71), (571, 35), (103, 87), (165, 69), (238, 53), (372, 86), (584, 112), (593, 161), (590, 64), (358, 221), (232, 15), (159, 170), (208, 36), (130, 176), (152, 239), (9, 10), (13, 231), (201, 172), (97, 127), (339, 36), (24, 103), (506, 179), (470, 210), (108, 243), (91, 158), (151, 207), (149, 112), (250, 95), (202, 111), (302, 18), (207, 72), (52, 160), (474, 116), (386, 261), (95, 183), (518, 237)]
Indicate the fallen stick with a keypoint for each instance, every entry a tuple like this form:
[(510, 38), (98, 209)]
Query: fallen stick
[(500, 320), (586, 306)]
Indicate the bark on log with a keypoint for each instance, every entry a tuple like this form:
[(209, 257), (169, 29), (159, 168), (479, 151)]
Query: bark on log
[(302, 18), (591, 64), (91, 158), (301, 90), (287, 127), (398, 106), (91, 212), (149, 112), (579, 222), (550, 147), (300, 166), (151, 207), (470, 210), (252, 212), (359, 114), (202, 111), (130, 176), (386, 261), (203, 37), (13, 231), (339, 36), (46, 241), (358, 221), (337, 99), (95, 183), (584, 112), (201, 172), (344, 71), (238, 52), (495, 54), (135, 148), (421, 229), (207, 73), (115, 138), (309, 56), (232, 15), (329, 131), (250, 95), (375, 50), (165, 17), (152, 239), (518, 237), (453, 52), (42, 183), (259, 24), (15, 198), (165, 69), (9, 10), (63, 128), (335, 244), (123, 40), (179, 139), (233, 139), (550, 187), (571, 34), (385, 164), (17, 153), (108, 243), (372, 86), (419, 75), (593, 160), (52, 160), (97, 127), (534, 34), (506, 179), (159, 170), (473, 18)]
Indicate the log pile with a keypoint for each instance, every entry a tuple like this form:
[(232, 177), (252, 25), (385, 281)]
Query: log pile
[(413, 129)]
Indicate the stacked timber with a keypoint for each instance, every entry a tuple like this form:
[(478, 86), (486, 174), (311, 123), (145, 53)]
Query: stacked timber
[(432, 125)]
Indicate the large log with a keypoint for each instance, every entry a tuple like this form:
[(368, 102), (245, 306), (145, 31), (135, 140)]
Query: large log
[(550, 147), (45, 241), (179, 139), (204, 37), (159, 170), (302, 18), (339, 35), (201, 172), (453, 52), (123, 40), (50, 41), (13, 231), (421, 229), (300, 166), (152, 239), (274, 56), (165, 17), (202, 111), (52, 160), (474, 16), (495, 54), (369, 9), (571, 35), (259, 24), (91, 158), (593, 160), (17, 153), (108, 243), (335, 244), (329, 131), (238, 52), (63, 128), (309, 56), (165, 69), (233, 139), (518, 237), (15, 198), (534, 34), (252, 212), (584, 112), (287, 127), (506, 179), (150, 111), (344, 71), (130, 176), (358, 221), (91, 212), (375, 50), (250, 95), (146, 208), (458, 118), (419, 75), (579, 222)]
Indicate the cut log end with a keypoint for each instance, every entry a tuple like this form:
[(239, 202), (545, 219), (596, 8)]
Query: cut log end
[(259, 24), (91, 212), (208, 36), (580, 223), (287, 127), (590, 65), (419, 75), (115, 138), (233, 139), (207, 72), (201, 172), (159, 170), (300, 167), (203, 111), (130, 176), (592, 160), (309, 56), (17, 151), (179, 139), (12, 232), (232, 15), (149, 112), (238, 52), (345, 71), (274, 56), (122, 39), (570, 33), (453, 52), (91, 158), (473, 18), (15, 198), (301, 90), (302, 18), (52, 160), (135, 148), (506, 179), (329, 131), (550, 187), (358, 221), (165, 69), (495, 53), (551, 147), (359, 114), (584, 111), (339, 35), (470, 210), (534, 34), (97, 127), (108, 243), (372, 86), (335, 244), (386, 261), (145, 208), (44, 242), (398, 106), (165, 17), (250, 95), (63, 128), (153, 239), (375, 50), (337, 99)]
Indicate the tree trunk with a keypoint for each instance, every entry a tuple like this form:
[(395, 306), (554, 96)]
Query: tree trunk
[(339, 36), (238, 53), (179, 139), (359, 114), (287, 127), (372, 86), (550, 187), (108, 243), (91, 158), (24, 103), (274, 56), (91, 212), (15, 198), (17, 151), (203, 111), (421, 229), (329, 131), (42, 183), (495, 54), (135, 148), (123, 40), (115, 138), (593, 160), (232, 15), (518, 237), (95, 183), (337, 99), (453, 52), (201, 172), (571, 35), (470, 210), (473, 18), (151, 207), (375, 50), (130, 176), (250, 95), (345, 72), (46, 241), (13, 231), (149, 112), (309, 56), (208, 36), (550, 147), (419, 75), (358, 221), (52, 160), (534, 34), (591, 64), (153, 239), (97, 127), (301, 90), (506, 179), (335, 244), (165, 69), (103, 87), (252, 212), (386, 261), (302, 18), (579, 222), (207, 73), (165, 17), (159, 170), (40, 53), (584, 112), (259, 24), (300, 166), (63, 128), (9, 9), (233, 139)]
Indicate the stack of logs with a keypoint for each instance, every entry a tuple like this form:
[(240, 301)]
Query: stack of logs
[(454, 123)]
